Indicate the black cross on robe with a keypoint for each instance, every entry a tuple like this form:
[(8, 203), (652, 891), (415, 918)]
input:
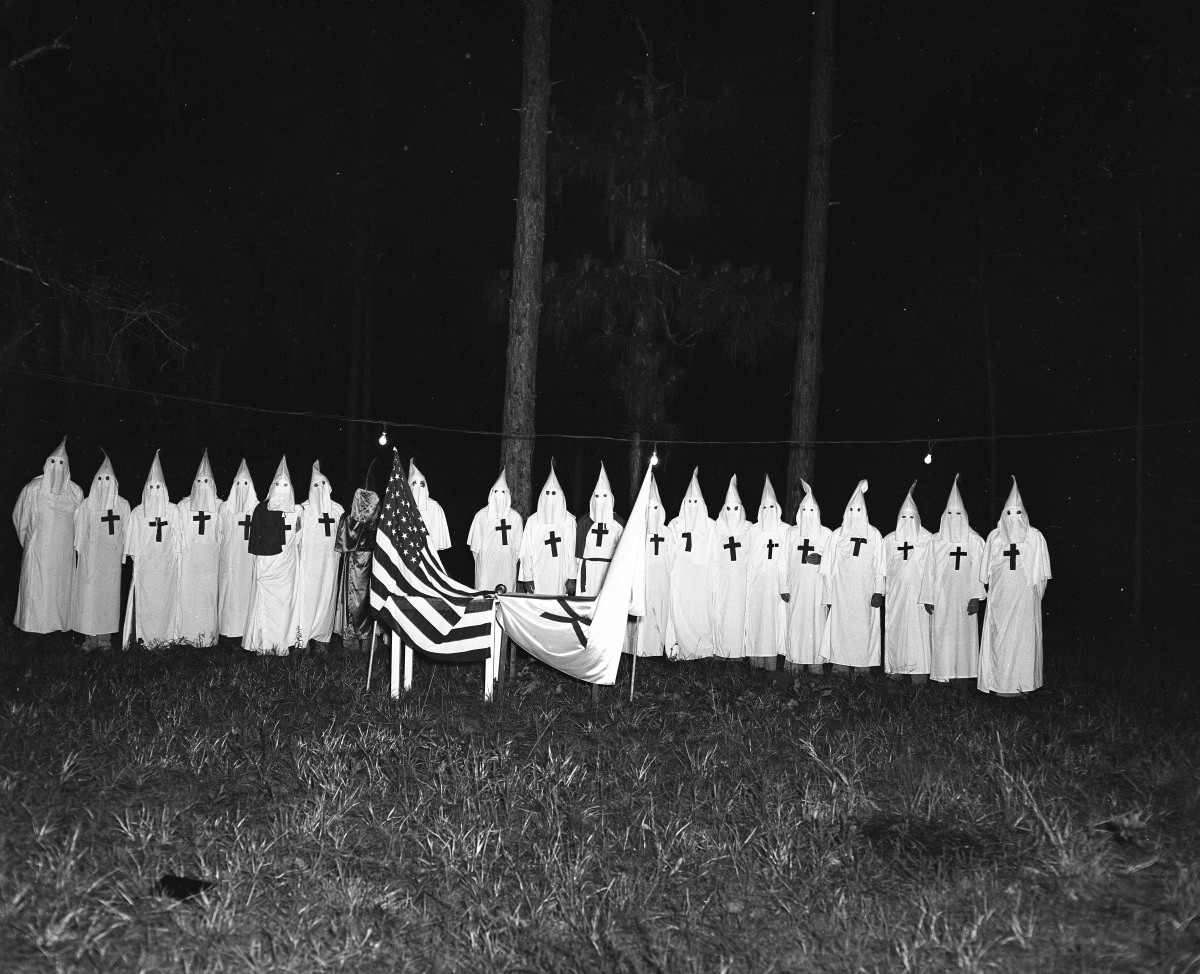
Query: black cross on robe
[(245, 524), (771, 546), (958, 555), (110, 518), (657, 539), (858, 543), (200, 517), (804, 549), (687, 537), (503, 527), (327, 520), (158, 524), (600, 530), (553, 541), (732, 548), (1011, 555), (904, 549)]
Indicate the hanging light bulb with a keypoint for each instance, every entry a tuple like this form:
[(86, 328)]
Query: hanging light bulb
[(383, 437), (654, 458), (929, 455)]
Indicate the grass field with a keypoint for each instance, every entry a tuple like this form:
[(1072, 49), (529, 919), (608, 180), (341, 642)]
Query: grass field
[(725, 820)]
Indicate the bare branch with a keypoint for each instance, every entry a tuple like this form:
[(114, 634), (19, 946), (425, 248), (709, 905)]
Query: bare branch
[(54, 45), (20, 267)]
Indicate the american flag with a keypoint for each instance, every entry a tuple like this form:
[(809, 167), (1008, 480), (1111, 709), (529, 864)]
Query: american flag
[(411, 592)]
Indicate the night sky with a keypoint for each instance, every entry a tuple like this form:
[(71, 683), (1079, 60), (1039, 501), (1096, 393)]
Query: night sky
[(989, 160)]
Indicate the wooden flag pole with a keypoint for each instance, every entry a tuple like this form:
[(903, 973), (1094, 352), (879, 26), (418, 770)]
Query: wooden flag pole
[(371, 657)]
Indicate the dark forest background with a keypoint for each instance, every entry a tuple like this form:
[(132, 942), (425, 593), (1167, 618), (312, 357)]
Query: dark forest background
[(230, 201)]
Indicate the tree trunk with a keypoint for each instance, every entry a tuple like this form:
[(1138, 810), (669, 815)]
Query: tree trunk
[(525, 305), (807, 376)]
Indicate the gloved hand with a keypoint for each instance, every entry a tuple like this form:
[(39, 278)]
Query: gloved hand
[(973, 607), (813, 558), (570, 586), (786, 596), (525, 588), (929, 608), (876, 601)]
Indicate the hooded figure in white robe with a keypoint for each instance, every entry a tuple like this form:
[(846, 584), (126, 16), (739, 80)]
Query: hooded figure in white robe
[(547, 552), (692, 548), (495, 540), (236, 575), (808, 544), (275, 535), (316, 588), (596, 538), (1015, 568), (44, 517), (431, 511), (766, 613), (199, 560), (730, 577), (100, 524), (652, 628), (907, 630), (951, 592), (152, 542), (854, 581)]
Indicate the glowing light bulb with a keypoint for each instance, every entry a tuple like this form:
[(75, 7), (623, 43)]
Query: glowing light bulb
[(383, 437), (929, 458), (654, 459)]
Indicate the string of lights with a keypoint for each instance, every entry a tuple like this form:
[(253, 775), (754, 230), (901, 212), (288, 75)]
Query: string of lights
[(386, 424)]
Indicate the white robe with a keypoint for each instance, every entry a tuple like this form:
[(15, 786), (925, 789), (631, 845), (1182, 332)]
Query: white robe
[(268, 629), (730, 584), (152, 609), (45, 524), (100, 544), (807, 610), (692, 554), (1010, 657), (236, 575), (766, 613), (652, 628), (435, 523), (595, 544), (495, 541), (547, 554), (199, 572), (852, 634), (317, 572), (907, 630), (951, 581)]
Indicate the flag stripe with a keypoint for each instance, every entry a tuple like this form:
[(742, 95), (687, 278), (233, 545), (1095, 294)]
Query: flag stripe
[(412, 593)]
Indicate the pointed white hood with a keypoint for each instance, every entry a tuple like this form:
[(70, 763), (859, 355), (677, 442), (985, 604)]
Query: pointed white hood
[(204, 488), (551, 505), (499, 499), (954, 525), (601, 505), (1014, 519), (908, 521), (656, 515), (281, 496), (733, 516), (154, 493), (808, 514), (320, 493), (693, 508), (418, 485), (854, 518), (769, 514), (242, 495), (103, 493), (56, 471)]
